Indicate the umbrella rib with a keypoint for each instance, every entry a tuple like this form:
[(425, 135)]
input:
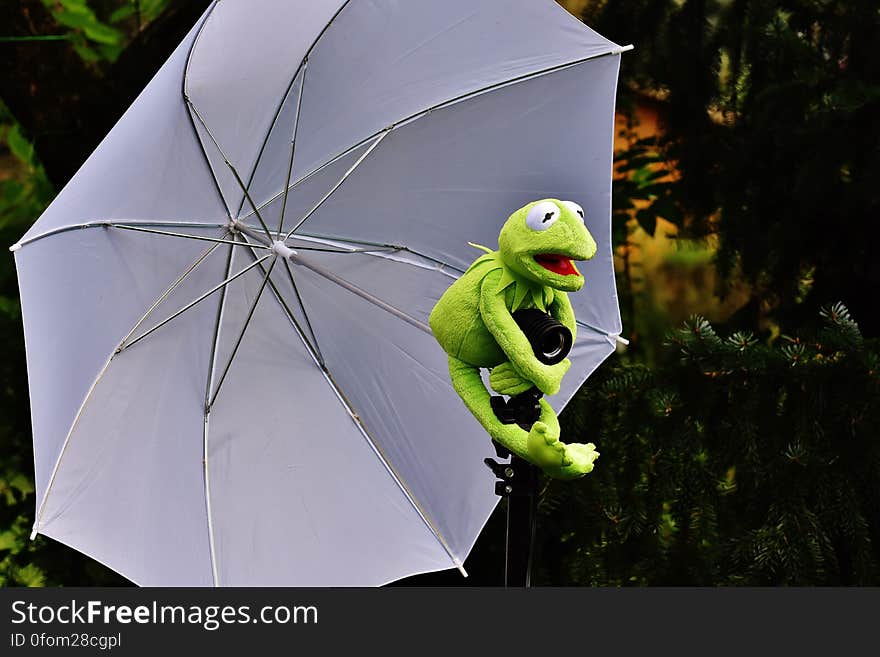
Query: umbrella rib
[(388, 247), (191, 304), (399, 247), (303, 308), (241, 333), (171, 289), (363, 294), (441, 263), (305, 66), (379, 252), (100, 376), (210, 383), (381, 135), (317, 249), (316, 171), (395, 311), (183, 235), (296, 73), (189, 114), (104, 223), (452, 101), (437, 261), (380, 248), (372, 443), (612, 336), (313, 349), (232, 168), (210, 166), (275, 118), (504, 83), (398, 479), (354, 289)]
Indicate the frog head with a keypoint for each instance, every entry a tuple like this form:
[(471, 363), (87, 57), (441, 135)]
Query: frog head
[(540, 240)]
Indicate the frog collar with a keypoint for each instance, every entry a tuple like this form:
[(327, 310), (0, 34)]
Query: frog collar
[(524, 289)]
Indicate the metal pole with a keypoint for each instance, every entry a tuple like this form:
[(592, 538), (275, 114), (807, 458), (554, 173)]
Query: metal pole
[(518, 485), (521, 518)]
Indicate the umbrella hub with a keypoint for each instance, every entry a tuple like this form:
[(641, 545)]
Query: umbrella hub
[(281, 249)]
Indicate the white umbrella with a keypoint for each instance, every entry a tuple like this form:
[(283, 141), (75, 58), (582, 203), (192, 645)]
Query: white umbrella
[(231, 377)]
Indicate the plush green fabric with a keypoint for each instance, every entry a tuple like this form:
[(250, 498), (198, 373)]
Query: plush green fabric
[(473, 323)]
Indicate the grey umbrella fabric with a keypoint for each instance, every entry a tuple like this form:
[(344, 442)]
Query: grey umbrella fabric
[(225, 309)]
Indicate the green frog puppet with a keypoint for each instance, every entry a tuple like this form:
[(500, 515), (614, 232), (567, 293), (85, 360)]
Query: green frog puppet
[(474, 323)]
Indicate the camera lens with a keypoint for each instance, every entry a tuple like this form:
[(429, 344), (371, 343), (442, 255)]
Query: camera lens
[(553, 345), (551, 341)]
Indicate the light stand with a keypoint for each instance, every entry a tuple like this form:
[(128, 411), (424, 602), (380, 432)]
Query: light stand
[(518, 484), (518, 480)]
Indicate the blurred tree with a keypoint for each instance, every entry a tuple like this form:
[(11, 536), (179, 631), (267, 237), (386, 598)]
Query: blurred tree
[(733, 463), (68, 93), (771, 120), (24, 193)]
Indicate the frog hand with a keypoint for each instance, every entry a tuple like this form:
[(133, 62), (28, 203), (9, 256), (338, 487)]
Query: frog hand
[(549, 377), (543, 446), (505, 380), (579, 459), (559, 460)]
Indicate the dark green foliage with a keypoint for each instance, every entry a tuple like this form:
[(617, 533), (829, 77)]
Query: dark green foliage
[(735, 462), (94, 27), (771, 118), (23, 562), (21, 198), (643, 189)]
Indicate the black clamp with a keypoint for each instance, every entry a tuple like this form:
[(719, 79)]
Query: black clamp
[(515, 479), (523, 409)]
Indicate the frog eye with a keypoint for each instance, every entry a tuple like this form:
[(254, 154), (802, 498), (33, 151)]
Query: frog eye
[(574, 207), (542, 215)]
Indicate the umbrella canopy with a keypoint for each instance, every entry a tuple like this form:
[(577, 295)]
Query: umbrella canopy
[(231, 377)]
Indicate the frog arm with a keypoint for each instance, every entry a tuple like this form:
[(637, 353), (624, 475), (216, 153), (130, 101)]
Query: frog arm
[(561, 309), (469, 386), (540, 445), (500, 323)]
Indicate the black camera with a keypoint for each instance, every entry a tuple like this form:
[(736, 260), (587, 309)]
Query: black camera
[(550, 339), (551, 342)]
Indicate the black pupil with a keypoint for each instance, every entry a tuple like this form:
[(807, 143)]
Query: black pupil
[(547, 217), (581, 212)]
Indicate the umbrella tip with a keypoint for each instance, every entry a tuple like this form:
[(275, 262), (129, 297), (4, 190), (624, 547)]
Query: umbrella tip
[(15, 247), (460, 566), (33, 533)]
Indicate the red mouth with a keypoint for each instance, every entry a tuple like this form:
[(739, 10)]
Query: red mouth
[(558, 264)]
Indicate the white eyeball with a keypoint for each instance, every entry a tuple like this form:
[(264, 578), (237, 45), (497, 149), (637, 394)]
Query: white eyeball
[(543, 215), (574, 207)]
